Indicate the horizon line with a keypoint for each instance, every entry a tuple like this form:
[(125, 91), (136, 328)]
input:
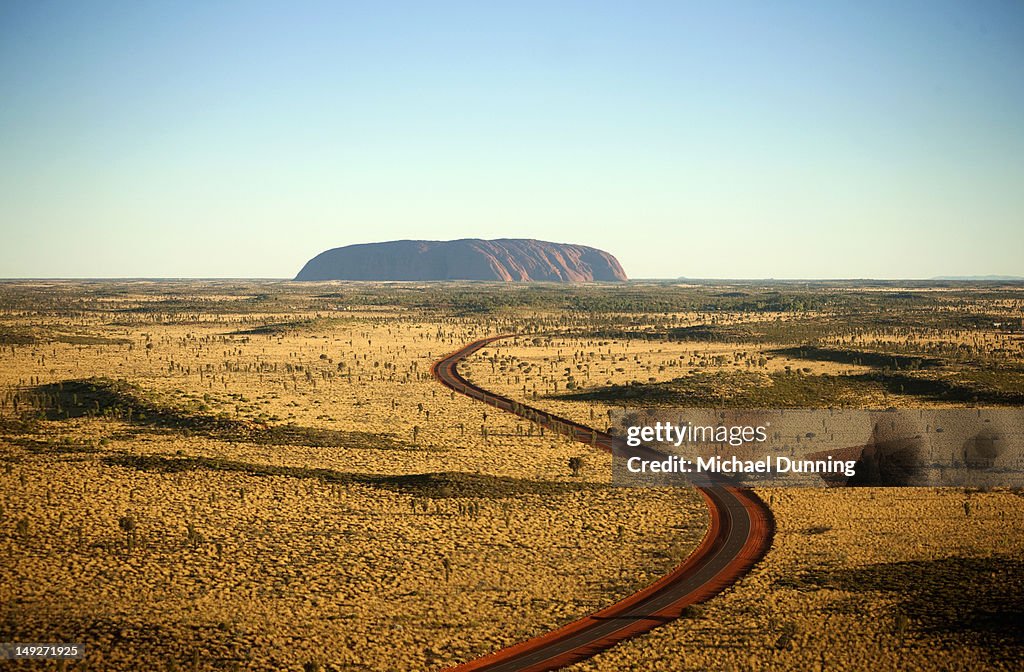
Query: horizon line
[(939, 278)]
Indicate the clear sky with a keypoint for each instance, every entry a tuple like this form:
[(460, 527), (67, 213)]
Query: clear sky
[(721, 139)]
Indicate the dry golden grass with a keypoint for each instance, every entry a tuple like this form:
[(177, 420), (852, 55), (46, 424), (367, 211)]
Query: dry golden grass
[(861, 579), (857, 579), (226, 561), (162, 546)]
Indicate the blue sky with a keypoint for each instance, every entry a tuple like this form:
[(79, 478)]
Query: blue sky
[(789, 139)]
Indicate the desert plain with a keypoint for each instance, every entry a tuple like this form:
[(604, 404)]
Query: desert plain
[(243, 475)]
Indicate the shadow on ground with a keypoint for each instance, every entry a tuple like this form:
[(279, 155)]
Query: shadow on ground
[(440, 485), (982, 598), (106, 398)]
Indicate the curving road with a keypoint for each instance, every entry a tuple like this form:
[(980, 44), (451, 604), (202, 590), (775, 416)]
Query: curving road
[(739, 534)]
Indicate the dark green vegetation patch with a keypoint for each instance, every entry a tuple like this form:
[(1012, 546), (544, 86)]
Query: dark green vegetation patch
[(979, 597), (292, 327), (103, 397), (859, 357), (440, 485), (31, 336), (742, 389), (736, 389)]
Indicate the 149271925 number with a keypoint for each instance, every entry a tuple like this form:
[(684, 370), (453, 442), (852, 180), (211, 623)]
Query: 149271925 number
[(40, 650)]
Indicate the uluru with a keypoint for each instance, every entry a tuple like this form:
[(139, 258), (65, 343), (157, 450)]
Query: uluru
[(502, 260)]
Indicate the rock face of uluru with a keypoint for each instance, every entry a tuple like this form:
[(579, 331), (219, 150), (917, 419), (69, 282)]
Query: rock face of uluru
[(509, 260)]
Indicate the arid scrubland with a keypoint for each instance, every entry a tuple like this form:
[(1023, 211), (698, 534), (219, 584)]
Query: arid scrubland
[(857, 579), (861, 579), (191, 480), (265, 475)]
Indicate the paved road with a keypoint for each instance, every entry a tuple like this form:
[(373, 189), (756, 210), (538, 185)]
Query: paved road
[(739, 534)]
